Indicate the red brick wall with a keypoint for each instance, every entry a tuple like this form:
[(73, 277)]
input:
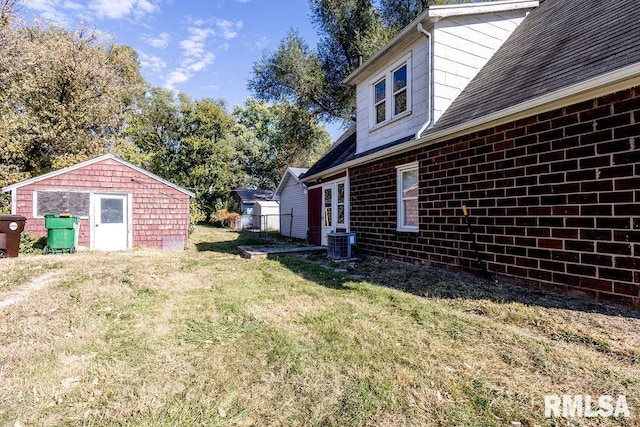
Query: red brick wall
[(554, 200), (159, 210)]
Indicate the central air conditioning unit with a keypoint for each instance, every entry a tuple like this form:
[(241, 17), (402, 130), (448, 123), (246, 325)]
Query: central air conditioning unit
[(339, 245)]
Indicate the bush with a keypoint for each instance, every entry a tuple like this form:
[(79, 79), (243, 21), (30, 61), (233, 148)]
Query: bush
[(225, 218), (31, 244), (196, 215)]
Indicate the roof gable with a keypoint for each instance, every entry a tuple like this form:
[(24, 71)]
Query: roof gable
[(290, 173), (431, 15), (91, 162), (561, 43), (564, 50)]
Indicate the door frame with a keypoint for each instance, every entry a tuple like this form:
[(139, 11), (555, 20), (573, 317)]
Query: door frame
[(346, 226), (92, 216)]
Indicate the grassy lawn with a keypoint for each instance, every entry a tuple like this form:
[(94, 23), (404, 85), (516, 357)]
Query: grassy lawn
[(151, 338)]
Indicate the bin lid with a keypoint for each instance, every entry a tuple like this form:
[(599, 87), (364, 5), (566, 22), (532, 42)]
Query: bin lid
[(12, 218)]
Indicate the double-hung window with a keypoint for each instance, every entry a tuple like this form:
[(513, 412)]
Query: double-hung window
[(391, 92), (407, 182)]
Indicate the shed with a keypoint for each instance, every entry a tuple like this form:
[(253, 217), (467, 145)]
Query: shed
[(245, 198), (292, 195), (120, 205), (266, 215)]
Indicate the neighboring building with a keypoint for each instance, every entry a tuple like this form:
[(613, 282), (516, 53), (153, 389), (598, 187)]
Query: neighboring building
[(541, 145), (120, 205), (245, 198), (266, 215), (292, 196)]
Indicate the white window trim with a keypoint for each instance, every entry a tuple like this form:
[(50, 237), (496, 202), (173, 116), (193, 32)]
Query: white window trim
[(387, 75), (400, 215)]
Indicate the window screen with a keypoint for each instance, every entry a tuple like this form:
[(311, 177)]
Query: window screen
[(56, 202)]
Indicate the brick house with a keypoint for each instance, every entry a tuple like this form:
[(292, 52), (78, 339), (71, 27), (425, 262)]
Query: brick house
[(542, 143), (120, 205)]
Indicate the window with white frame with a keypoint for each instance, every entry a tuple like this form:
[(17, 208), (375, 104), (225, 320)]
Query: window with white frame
[(408, 197), (391, 92)]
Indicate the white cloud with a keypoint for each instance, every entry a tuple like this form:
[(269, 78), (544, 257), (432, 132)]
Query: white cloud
[(71, 5), (155, 63), (197, 52), (194, 46), (50, 10), (199, 64), (160, 41), (119, 9), (228, 29), (174, 78), (258, 42)]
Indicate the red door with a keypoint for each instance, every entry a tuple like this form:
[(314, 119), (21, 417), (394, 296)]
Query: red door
[(315, 215)]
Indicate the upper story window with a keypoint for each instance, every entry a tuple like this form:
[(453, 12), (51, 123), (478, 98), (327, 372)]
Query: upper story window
[(400, 90), (392, 92), (380, 103)]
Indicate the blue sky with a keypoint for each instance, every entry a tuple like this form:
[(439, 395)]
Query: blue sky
[(205, 48)]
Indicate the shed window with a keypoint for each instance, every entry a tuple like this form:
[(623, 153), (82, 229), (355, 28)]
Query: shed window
[(56, 202)]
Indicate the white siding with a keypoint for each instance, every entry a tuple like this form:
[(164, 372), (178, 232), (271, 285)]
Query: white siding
[(293, 197), (461, 47), (402, 127)]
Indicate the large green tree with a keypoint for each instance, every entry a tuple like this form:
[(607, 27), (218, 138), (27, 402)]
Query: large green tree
[(275, 136), (64, 96), (189, 142), (350, 31)]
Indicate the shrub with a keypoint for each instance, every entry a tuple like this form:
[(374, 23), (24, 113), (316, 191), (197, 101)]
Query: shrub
[(225, 218), (31, 244)]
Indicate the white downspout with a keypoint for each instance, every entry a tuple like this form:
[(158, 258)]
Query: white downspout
[(426, 124), (14, 201)]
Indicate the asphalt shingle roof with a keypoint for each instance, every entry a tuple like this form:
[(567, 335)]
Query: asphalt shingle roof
[(560, 43), (251, 196)]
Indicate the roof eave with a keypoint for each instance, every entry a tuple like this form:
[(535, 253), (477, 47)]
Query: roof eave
[(432, 15), (598, 86), (90, 162)]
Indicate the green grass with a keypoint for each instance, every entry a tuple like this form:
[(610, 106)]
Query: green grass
[(151, 338)]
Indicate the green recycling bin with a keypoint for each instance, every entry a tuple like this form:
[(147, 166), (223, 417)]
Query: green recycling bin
[(62, 232)]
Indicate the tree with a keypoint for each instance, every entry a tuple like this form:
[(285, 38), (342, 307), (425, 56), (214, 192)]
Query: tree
[(399, 13), (188, 142), (65, 97), (275, 137), (311, 80), (293, 73), (350, 31)]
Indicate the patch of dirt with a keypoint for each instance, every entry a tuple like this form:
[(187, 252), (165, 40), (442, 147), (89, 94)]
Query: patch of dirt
[(436, 283), (36, 285)]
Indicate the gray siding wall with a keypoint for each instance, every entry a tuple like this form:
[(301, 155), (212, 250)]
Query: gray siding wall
[(293, 197)]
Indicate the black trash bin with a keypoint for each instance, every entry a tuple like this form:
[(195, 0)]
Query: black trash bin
[(10, 228)]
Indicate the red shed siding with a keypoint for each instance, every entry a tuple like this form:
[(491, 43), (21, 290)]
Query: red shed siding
[(158, 209), (554, 200)]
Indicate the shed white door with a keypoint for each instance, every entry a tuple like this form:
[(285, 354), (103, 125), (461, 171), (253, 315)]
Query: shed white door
[(111, 222)]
